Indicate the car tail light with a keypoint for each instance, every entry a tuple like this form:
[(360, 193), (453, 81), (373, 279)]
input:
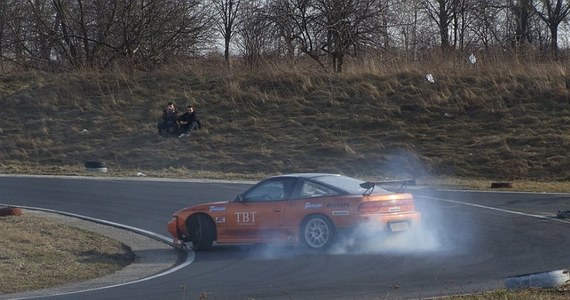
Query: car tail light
[(370, 207), (387, 206)]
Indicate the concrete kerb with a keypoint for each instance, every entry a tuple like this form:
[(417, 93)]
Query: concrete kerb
[(154, 255)]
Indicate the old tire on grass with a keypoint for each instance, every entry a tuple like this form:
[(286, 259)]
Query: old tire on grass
[(501, 185), (95, 166)]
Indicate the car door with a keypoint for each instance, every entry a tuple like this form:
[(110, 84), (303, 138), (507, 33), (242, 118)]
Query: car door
[(257, 215)]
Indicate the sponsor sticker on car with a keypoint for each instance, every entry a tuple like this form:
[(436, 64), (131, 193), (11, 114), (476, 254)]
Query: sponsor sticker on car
[(313, 205), (340, 213), (394, 209), (214, 208)]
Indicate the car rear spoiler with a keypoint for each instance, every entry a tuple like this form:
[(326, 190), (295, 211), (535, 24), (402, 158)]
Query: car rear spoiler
[(369, 185)]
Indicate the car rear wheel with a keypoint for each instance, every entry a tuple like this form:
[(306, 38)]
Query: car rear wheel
[(317, 232), (202, 232)]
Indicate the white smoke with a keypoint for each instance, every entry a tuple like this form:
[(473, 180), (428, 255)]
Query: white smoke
[(445, 229), (368, 238), (372, 238)]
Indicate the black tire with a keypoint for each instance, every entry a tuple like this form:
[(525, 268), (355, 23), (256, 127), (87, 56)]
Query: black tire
[(95, 164), (317, 232), (202, 232)]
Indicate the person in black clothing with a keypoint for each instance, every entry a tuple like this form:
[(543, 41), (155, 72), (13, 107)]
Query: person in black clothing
[(189, 121), (167, 124)]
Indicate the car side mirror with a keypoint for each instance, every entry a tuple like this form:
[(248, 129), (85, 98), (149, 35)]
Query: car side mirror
[(239, 198)]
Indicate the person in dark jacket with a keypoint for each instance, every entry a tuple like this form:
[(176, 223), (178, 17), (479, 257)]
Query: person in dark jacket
[(189, 121), (167, 124)]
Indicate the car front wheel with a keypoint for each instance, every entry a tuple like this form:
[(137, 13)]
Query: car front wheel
[(317, 232), (202, 232)]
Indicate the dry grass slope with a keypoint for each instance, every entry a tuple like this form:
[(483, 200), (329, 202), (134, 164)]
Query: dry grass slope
[(494, 123)]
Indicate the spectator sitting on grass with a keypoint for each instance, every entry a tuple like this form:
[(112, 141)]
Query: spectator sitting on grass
[(189, 121), (167, 124)]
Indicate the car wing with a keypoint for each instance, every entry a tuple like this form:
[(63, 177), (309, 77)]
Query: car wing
[(369, 185)]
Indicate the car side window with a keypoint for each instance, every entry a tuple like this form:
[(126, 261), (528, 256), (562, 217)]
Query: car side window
[(311, 189), (270, 190)]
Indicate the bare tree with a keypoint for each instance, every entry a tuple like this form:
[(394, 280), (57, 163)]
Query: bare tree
[(98, 33), (59, 34), (154, 31), (401, 22), (347, 24), (228, 12), (20, 34), (486, 17), (327, 27), (553, 12), (281, 13), (302, 24), (522, 11), (442, 12), (254, 35), (464, 17)]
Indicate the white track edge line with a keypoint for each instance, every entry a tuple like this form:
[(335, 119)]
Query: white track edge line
[(495, 209)]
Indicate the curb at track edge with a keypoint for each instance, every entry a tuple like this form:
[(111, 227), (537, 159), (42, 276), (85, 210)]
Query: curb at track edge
[(185, 255)]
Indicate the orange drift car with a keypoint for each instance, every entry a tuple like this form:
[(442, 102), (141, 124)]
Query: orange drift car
[(310, 208)]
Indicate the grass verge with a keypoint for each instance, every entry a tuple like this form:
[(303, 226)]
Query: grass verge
[(36, 253), (528, 294)]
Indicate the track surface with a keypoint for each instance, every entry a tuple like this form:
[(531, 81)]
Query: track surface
[(471, 241)]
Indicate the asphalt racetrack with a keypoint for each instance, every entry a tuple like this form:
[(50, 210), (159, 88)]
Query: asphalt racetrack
[(470, 242)]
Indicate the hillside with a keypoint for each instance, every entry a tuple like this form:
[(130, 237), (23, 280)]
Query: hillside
[(498, 125)]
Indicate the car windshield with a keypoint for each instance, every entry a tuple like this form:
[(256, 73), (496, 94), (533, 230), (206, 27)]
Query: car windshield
[(347, 184)]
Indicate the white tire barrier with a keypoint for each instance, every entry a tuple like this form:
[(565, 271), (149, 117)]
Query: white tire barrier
[(539, 280)]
